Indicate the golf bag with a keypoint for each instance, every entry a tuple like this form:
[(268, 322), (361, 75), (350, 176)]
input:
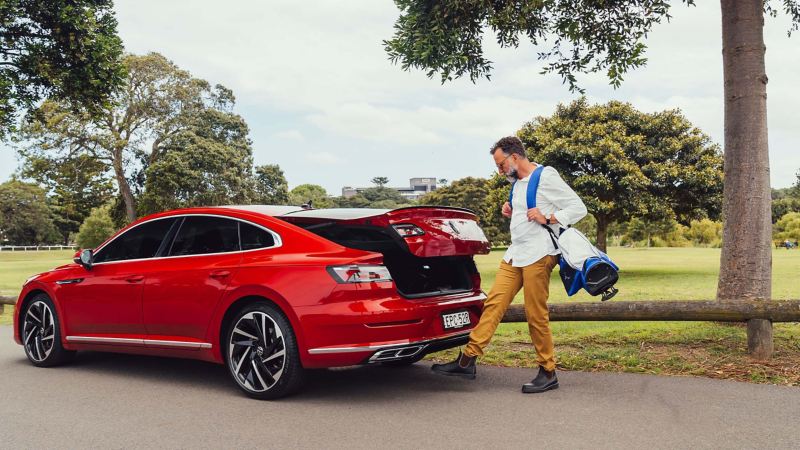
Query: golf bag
[(581, 264)]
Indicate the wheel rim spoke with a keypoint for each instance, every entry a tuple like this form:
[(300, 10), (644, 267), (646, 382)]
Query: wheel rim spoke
[(39, 331), (264, 348)]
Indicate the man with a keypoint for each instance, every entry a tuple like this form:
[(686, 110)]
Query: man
[(527, 263)]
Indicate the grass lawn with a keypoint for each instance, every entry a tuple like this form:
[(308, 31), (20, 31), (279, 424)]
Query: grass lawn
[(676, 348)]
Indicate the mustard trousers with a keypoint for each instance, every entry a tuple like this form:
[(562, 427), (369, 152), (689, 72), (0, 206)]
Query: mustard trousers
[(535, 279)]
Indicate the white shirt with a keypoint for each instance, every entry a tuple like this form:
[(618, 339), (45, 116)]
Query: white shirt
[(530, 242)]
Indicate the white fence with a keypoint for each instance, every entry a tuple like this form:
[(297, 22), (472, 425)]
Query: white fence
[(31, 248)]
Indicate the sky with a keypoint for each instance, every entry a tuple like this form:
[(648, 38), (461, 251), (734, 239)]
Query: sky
[(322, 100)]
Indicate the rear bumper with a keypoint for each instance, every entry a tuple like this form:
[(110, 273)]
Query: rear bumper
[(386, 329)]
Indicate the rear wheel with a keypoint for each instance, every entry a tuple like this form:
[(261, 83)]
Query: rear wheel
[(41, 334), (262, 353)]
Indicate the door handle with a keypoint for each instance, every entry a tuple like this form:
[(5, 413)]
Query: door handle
[(220, 273), (134, 278)]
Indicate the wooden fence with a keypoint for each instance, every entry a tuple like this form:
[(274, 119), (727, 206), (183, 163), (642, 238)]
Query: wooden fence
[(728, 311), (29, 248)]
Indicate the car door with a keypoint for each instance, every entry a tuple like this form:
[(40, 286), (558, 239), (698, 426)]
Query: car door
[(178, 300), (104, 304)]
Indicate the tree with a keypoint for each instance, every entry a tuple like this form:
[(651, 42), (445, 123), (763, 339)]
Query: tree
[(471, 193), (75, 186), (783, 206), (271, 187), (156, 104), (788, 227), (97, 227), (313, 193), (380, 181), (207, 164), (625, 163), (67, 50), (446, 37), (25, 218)]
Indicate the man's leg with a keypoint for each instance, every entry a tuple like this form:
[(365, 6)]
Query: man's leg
[(506, 285), (537, 290)]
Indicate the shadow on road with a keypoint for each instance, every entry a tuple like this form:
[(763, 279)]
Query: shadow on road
[(354, 384)]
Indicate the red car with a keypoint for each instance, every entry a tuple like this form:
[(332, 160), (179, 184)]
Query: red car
[(267, 290)]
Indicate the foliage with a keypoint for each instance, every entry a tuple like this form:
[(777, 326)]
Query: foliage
[(446, 37), (75, 186), (314, 193), (380, 181), (783, 206), (25, 218), (625, 163), (470, 193), (67, 50), (207, 164), (705, 233), (374, 197), (158, 104), (270, 185), (788, 227), (96, 228)]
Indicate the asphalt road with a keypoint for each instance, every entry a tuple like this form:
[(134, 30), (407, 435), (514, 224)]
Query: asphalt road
[(121, 401)]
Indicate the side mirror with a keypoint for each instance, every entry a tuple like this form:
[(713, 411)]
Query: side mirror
[(84, 258)]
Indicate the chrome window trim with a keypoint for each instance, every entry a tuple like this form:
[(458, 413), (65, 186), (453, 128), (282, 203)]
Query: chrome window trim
[(145, 342), (275, 236)]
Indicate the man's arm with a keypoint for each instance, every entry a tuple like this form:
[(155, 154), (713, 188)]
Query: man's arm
[(569, 207)]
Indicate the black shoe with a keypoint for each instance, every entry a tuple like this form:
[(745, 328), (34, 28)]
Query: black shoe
[(463, 366), (544, 381)]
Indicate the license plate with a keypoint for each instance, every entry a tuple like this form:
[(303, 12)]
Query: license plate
[(455, 320)]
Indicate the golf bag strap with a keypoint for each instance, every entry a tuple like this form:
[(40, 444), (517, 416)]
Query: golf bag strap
[(533, 187)]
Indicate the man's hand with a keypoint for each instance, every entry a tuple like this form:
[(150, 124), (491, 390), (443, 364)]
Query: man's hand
[(534, 215), (506, 209)]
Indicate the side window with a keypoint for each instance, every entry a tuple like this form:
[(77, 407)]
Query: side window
[(201, 234), (142, 241), (253, 237)]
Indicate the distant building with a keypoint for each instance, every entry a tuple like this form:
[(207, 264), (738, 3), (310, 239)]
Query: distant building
[(416, 189)]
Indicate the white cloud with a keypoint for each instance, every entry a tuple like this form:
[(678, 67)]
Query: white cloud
[(322, 158), (290, 135), (318, 77)]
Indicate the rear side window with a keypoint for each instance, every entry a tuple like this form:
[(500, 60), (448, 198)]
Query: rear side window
[(201, 234), (253, 237), (142, 241)]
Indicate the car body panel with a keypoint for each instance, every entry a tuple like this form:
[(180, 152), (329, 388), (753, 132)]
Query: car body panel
[(182, 308)]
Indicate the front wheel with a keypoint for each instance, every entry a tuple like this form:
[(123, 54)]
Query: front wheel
[(41, 335), (262, 353)]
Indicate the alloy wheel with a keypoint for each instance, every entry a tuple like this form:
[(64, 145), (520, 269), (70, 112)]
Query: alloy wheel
[(257, 352), (39, 331)]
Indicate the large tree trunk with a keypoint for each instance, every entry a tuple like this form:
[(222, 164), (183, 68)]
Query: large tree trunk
[(124, 189), (602, 228), (746, 262)]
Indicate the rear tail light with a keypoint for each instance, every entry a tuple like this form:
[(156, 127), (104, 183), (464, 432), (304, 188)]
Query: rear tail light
[(359, 274), (408, 229)]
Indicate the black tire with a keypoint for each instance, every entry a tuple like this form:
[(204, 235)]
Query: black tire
[(254, 359), (40, 330)]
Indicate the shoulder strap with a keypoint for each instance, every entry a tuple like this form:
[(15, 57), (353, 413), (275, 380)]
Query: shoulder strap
[(533, 186), (511, 195)]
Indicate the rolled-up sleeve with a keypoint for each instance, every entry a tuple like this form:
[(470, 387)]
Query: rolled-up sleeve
[(569, 207)]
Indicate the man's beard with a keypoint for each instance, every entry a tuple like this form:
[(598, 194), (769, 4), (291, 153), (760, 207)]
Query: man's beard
[(512, 176)]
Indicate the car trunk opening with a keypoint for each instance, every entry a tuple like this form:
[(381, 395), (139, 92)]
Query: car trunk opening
[(433, 256)]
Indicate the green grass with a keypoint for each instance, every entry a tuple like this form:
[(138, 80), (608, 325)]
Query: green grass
[(675, 348), (15, 267)]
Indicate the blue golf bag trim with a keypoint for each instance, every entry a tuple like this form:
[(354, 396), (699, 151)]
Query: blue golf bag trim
[(598, 275)]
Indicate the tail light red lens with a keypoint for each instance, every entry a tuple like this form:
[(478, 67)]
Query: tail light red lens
[(359, 273), (408, 229)]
